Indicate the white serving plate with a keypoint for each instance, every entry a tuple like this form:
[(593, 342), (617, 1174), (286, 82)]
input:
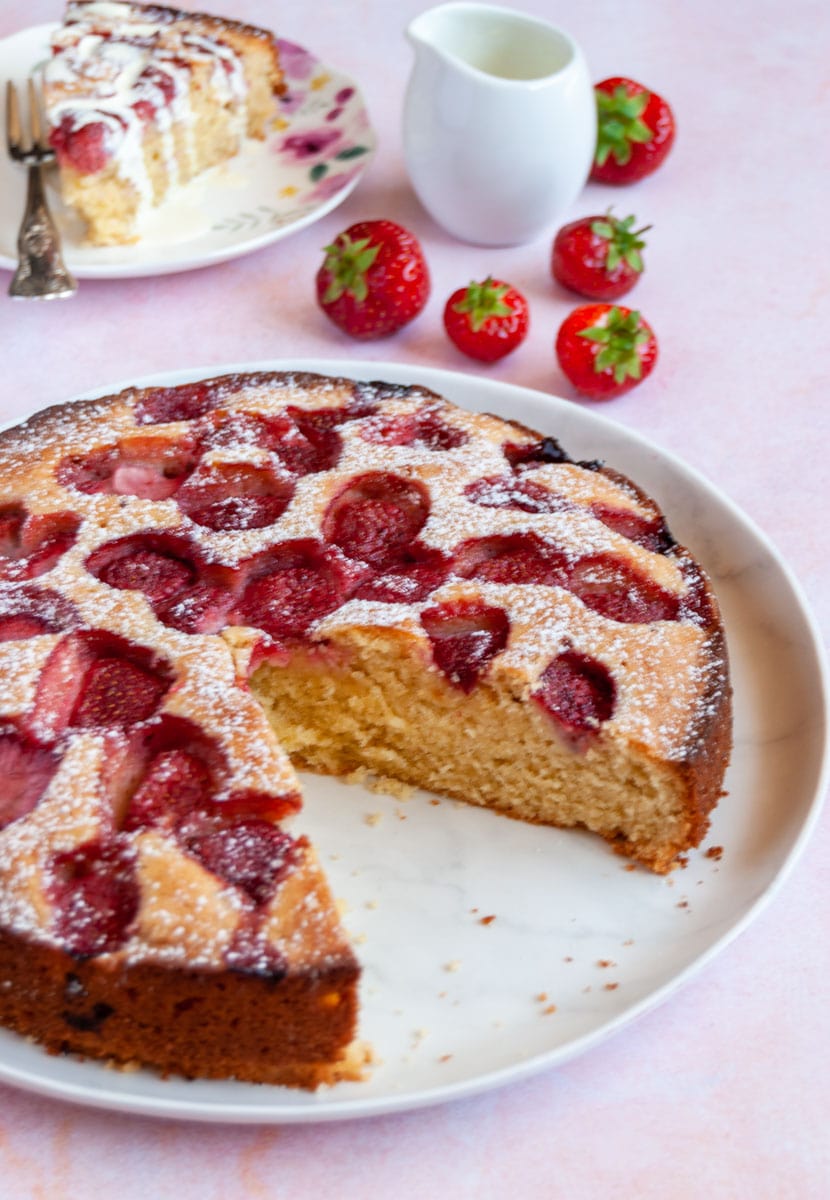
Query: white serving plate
[(453, 1006)]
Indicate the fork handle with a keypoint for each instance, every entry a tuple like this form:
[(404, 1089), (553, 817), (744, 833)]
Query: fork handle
[(41, 272)]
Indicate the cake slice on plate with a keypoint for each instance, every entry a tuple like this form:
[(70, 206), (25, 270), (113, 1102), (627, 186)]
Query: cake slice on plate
[(141, 98)]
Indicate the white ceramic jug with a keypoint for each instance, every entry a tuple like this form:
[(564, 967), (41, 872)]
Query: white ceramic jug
[(499, 121)]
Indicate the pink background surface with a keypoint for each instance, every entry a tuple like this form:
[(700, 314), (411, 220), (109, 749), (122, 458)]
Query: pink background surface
[(725, 1090)]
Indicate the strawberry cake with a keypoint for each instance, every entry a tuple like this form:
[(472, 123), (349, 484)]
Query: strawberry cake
[(205, 586), (141, 98)]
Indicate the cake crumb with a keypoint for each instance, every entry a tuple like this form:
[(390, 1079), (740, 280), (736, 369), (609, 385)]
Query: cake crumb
[(550, 1008), (359, 939), (568, 958), (453, 965), (682, 904), (610, 987), (715, 853), (400, 815), (435, 802), (371, 904), (444, 1058), (373, 818), (541, 998), (487, 920), (605, 962)]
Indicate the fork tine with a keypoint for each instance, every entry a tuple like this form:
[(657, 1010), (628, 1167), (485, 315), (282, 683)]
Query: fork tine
[(13, 130), (35, 122)]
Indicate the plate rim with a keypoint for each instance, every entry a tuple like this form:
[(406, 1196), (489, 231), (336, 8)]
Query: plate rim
[(318, 1108), (223, 253)]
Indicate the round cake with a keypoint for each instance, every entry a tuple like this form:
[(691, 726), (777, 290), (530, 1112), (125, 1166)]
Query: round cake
[(205, 586)]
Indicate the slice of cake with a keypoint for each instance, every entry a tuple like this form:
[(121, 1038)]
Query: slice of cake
[(141, 98), (198, 582)]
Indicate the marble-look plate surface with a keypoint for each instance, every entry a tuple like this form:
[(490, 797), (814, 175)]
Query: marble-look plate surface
[(579, 945), (319, 145)]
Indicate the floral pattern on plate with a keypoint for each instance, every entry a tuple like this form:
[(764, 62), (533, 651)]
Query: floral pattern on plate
[(322, 140)]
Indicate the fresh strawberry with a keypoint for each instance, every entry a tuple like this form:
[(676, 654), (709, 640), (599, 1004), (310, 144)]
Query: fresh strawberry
[(599, 257), (636, 131), (605, 350), (374, 279), (486, 320)]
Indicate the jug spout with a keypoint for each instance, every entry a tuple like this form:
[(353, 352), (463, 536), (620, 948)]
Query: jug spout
[(487, 43)]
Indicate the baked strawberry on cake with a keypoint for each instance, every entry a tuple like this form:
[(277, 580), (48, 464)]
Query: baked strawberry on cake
[(201, 583), (142, 98)]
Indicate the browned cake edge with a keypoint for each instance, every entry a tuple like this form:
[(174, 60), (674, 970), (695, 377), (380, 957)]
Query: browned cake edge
[(196, 1023)]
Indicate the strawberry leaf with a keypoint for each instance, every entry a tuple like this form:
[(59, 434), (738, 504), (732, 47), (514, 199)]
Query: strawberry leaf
[(348, 263), (620, 124), (483, 301), (624, 242), (619, 336)]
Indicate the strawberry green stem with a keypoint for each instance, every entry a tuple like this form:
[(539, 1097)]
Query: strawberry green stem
[(618, 335)]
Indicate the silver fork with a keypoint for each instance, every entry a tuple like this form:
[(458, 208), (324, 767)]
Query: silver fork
[(41, 273)]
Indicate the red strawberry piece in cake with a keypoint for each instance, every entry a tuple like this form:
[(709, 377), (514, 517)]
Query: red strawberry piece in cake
[(31, 543), (649, 532), (409, 581), (45, 538), (97, 680), (144, 569), (83, 147), (618, 591), (579, 693), (202, 608), (175, 783), (95, 894), (163, 406), (116, 692), (26, 770), (376, 517), (532, 454), (248, 853), (507, 491), (465, 635), (186, 593), (27, 611), (12, 517), (290, 588), (308, 448), (152, 468), (512, 558), (425, 429), (234, 496)]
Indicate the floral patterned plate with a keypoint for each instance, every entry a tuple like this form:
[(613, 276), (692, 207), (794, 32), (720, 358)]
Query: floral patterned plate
[(313, 157)]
